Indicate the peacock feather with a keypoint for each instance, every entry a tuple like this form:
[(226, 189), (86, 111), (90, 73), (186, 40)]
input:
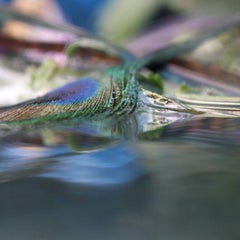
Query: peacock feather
[(110, 92), (100, 94)]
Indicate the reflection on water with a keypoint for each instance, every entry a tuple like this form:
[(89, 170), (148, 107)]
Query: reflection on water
[(176, 182), (96, 154), (191, 193), (116, 164)]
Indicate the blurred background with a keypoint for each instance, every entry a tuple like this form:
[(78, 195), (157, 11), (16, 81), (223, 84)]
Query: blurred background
[(120, 20)]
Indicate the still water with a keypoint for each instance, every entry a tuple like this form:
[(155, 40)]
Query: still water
[(181, 182)]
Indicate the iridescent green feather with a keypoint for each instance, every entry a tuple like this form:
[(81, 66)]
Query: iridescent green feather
[(111, 92)]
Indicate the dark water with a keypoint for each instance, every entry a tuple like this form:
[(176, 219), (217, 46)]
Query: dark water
[(178, 182)]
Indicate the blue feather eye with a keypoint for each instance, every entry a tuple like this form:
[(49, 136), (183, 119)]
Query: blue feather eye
[(75, 92)]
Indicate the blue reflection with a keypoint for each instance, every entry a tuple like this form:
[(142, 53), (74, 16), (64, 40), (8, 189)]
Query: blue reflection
[(116, 164), (17, 161)]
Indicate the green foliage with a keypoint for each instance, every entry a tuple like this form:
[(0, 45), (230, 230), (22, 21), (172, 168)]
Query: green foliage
[(184, 88), (44, 74), (153, 80)]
